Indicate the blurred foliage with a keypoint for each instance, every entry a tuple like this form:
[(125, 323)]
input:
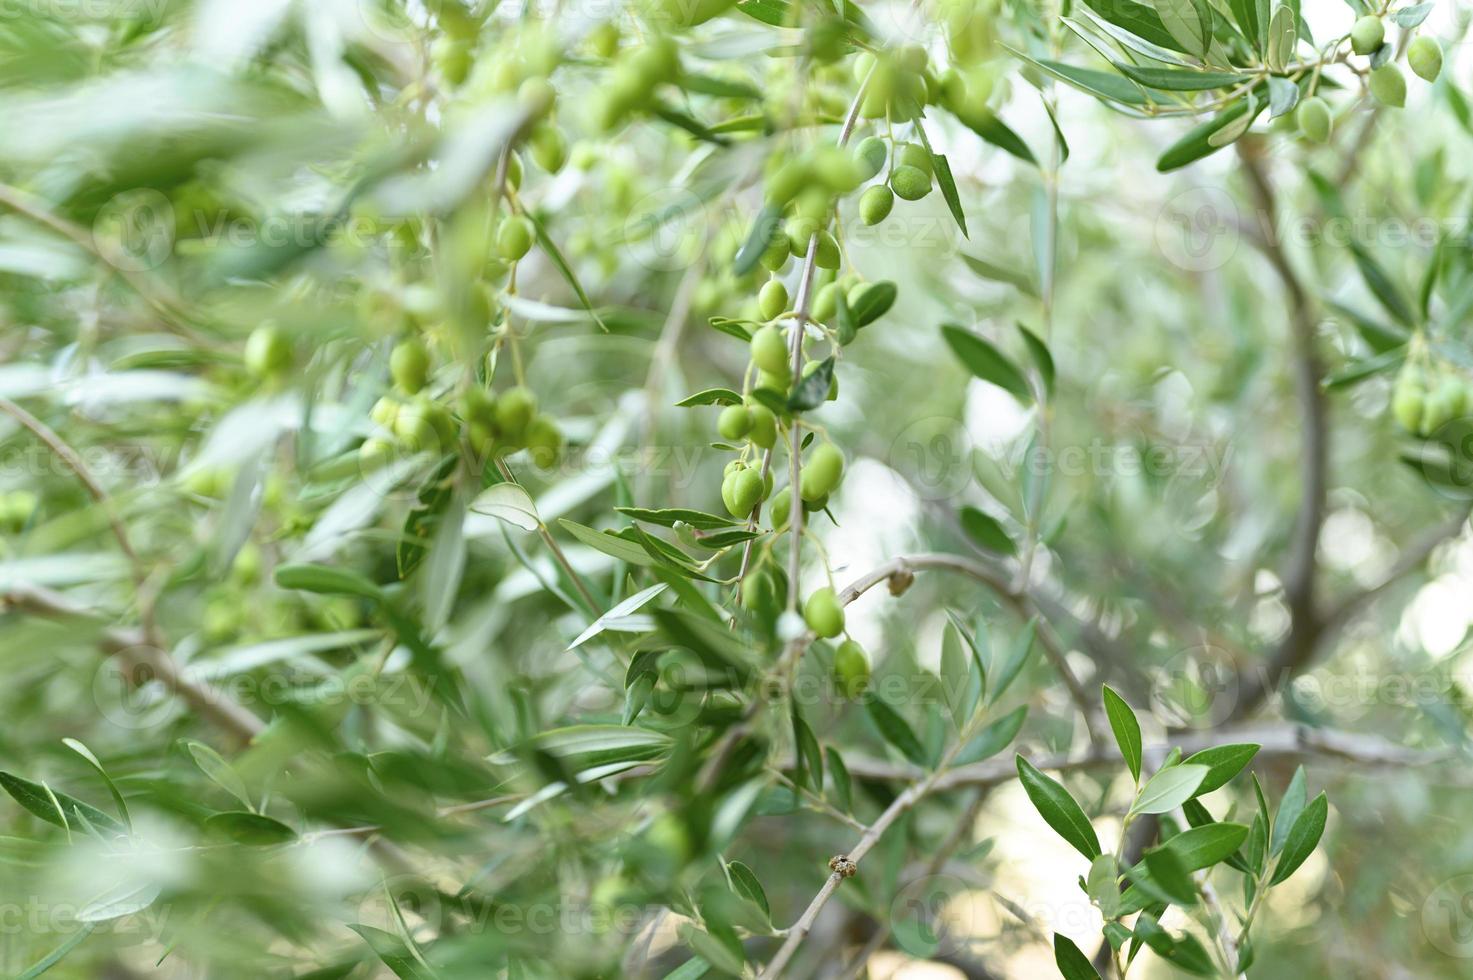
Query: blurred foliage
[(388, 389)]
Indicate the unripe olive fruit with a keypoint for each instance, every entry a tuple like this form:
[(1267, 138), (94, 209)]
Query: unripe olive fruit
[(785, 182), (782, 509), (514, 171), (773, 299), (1424, 56), (1367, 35), (910, 183), (604, 39), (871, 154), (745, 492), (734, 422), (827, 256), (764, 427), (837, 170), (1408, 399), (875, 204), (826, 302), (914, 155), (549, 148), (374, 452), (777, 253), (851, 668), (1315, 121), (267, 352), (515, 410), (514, 237), (409, 365), (452, 57), (800, 232), (414, 429), (384, 411), (544, 442), (1388, 86), (770, 351), (822, 472), (823, 614)]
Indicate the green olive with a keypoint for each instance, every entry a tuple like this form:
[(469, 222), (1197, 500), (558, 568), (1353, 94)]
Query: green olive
[(782, 509), (770, 351), (742, 491), (787, 181), (454, 58), (1424, 57), (374, 452), (514, 237), (409, 365), (544, 442), (910, 183), (549, 148), (915, 155), (1367, 35), (1315, 121), (384, 411), (773, 299), (734, 422), (821, 474), (871, 154), (1408, 400), (826, 303), (605, 39), (764, 427), (827, 256), (267, 352), (515, 410), (875, 204), (823, 614), (1388, 86), (851, 669)]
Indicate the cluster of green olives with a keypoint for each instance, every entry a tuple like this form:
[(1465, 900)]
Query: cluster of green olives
[(824, 615), (493, 424), (1386, 83), (638, 72), (1424, 400)]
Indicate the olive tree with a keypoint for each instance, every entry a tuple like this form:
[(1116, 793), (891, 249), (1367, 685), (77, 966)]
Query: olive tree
[(757, 488)]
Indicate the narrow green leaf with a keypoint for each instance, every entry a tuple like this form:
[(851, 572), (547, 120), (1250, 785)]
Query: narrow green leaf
[(1289, 809), (1072, 964), (994, 738), (1302, 838), (1178, 79), (987, 362), (1127, 730), (44, 803), (569, 276), (1169, 789), (896, 731), (986, 124), (1059, 810), (1223, 762), (986, 531)]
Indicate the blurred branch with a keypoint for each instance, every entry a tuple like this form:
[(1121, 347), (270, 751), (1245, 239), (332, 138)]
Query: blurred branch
[(154, 293), (1300, 572)]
